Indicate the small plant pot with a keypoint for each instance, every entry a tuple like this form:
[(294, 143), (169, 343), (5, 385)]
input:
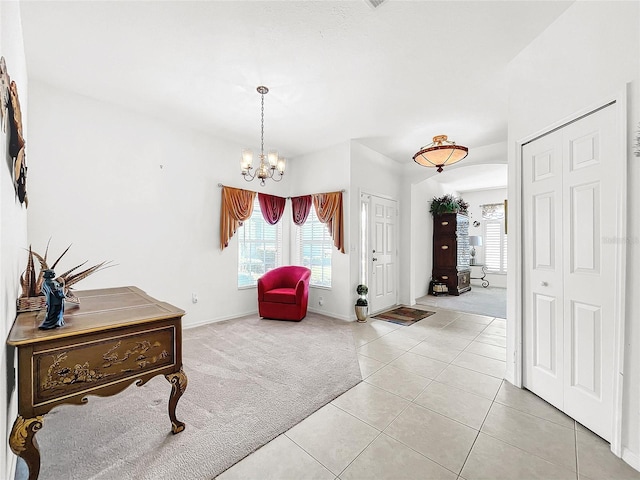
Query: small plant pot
[(361, 313)]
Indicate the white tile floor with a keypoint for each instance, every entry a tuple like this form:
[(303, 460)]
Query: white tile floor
[(433, 405)]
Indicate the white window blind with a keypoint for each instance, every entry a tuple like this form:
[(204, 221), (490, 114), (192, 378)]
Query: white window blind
[(494, 238), (316, 250), (259, 247)]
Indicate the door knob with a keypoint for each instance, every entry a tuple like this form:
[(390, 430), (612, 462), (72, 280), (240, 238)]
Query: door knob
[(544, 284), (374, 259)]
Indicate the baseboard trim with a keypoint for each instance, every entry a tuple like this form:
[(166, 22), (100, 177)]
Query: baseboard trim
[(332, 314), (631, 458), (188, 325)]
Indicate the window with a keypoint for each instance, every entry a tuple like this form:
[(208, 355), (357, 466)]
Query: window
[(495, 240), (316, 249), (259, 247)]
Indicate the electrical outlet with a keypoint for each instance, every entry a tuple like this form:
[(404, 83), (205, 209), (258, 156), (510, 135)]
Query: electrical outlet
[(194, 298), (320, 301)]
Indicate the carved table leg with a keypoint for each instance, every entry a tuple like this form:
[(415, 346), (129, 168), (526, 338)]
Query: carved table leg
[(178, 381), (24, 444)]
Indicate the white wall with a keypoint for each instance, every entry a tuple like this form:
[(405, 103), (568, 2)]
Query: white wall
[(101, 167), (328, 171), (141, 192), (13, 228), (589, 54), (475, 199)]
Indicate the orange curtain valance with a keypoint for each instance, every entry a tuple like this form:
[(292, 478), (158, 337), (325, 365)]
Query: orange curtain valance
[(237, 206), (329, 210)]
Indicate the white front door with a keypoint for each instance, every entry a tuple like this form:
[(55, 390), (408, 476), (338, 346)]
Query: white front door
[(569, 202), (382, 255)]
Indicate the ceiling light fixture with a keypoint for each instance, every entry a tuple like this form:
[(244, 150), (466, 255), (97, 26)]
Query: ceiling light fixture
[(440, 153), (268, 163)]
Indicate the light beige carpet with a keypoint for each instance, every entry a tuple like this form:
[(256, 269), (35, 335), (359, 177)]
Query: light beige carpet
[(249, 381), (491, 301)]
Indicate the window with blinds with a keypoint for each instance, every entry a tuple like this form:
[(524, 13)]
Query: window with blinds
[(259, 247), (316, 249), (494, 238)]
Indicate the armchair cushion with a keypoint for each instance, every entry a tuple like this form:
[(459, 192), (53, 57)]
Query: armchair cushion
[(283, 293)]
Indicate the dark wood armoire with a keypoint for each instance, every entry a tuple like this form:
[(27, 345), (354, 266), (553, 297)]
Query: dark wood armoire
[(451, 252)]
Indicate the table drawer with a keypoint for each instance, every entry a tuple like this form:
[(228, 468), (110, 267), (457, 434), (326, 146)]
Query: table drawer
[(73, 369)]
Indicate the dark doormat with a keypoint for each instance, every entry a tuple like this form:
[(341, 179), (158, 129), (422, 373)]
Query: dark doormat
[(403, 315)]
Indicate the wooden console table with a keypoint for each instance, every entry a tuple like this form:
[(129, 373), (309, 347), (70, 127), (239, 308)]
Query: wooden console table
[(115, 337)]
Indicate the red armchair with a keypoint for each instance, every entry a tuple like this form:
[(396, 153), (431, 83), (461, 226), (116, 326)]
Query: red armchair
[(283, 293)]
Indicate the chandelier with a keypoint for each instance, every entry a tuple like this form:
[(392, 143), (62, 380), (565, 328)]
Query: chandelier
[(268, 163), (440, 153)]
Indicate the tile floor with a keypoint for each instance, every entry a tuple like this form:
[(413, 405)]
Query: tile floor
[(434, 405)]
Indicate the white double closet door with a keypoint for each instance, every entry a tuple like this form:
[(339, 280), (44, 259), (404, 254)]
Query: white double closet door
[(569, 200)]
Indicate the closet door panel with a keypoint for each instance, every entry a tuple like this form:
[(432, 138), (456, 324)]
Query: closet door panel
[(542, 279), (589, 190), (586, 338)]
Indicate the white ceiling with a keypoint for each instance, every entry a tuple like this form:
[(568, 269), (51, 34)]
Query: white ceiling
[(474, 177), (391, 77)]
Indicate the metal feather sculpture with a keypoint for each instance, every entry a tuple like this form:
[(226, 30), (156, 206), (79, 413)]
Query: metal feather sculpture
[(28, 278), (32, 286)]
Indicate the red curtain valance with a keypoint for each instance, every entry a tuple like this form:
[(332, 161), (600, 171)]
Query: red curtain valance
[(301, 206), (272, 207)]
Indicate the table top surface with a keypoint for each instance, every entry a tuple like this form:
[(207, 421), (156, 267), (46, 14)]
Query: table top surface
[(99, 310)]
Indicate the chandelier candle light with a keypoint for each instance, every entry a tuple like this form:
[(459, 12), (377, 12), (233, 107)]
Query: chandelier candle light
[(268, 163), (440, 153)]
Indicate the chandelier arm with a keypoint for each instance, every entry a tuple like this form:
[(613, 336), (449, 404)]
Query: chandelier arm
[(246, 174)]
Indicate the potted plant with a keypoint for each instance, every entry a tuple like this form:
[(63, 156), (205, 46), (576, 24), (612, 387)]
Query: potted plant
[(361, 304), (448, 204)]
